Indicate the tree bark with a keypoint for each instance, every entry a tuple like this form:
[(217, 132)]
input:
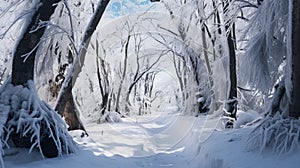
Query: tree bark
[(71, 115), (24, 55), (259, 2), (295, 96)]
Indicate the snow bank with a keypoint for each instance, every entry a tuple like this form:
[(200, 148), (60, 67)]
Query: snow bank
[(227, 149), (111, 117), (244, 118)]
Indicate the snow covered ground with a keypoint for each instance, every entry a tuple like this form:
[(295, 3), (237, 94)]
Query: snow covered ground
[(165, 139)]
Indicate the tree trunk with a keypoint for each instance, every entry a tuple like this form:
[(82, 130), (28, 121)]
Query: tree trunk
[(295, 96), (71, 115), (78, 63), (210, 73), (103, 86), (117, 108), (23, 68), (70, 112), (179, 74), (24, 55), (231, 104)]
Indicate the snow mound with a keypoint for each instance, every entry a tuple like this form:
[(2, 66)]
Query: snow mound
[(111, 117), (243, 118)]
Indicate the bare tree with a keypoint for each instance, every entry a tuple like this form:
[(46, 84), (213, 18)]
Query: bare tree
[(103, 75), (193, 68), (130, 71), (180, 70)]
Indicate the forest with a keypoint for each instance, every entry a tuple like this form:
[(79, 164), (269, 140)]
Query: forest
[(150, 83)]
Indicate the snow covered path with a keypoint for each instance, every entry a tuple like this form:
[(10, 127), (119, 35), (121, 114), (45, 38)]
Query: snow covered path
[(162, 140)]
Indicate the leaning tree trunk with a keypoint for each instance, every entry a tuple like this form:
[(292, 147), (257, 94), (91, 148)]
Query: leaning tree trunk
[(70, 112), (295, 60), (70, 80), (24, 55), (71, 115)]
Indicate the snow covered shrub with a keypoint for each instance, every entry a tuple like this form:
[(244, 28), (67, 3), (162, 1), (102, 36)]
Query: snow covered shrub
[(244, 118), (280, 134), (111, 117), (30, 122)]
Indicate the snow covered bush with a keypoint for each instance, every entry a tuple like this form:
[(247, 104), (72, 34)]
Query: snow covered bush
[(32, 123), (280, 134), (244, 118), (111, 117), (271, 57)]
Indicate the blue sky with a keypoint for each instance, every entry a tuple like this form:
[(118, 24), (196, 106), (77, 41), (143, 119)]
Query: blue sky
[(122, 7)]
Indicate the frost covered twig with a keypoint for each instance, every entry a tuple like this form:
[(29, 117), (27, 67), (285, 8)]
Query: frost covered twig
[(2, 35), (2, 75)]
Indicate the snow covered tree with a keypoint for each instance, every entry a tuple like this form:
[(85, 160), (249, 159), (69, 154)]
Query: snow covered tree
[(146, 64), (231, 104), (128, 67), (59, 51), (192, 47), (103, 76), (66, 89), (25, 119), (280, 127)]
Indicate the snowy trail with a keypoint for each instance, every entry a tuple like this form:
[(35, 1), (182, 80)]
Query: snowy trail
[(162, 140), (165, 139)]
